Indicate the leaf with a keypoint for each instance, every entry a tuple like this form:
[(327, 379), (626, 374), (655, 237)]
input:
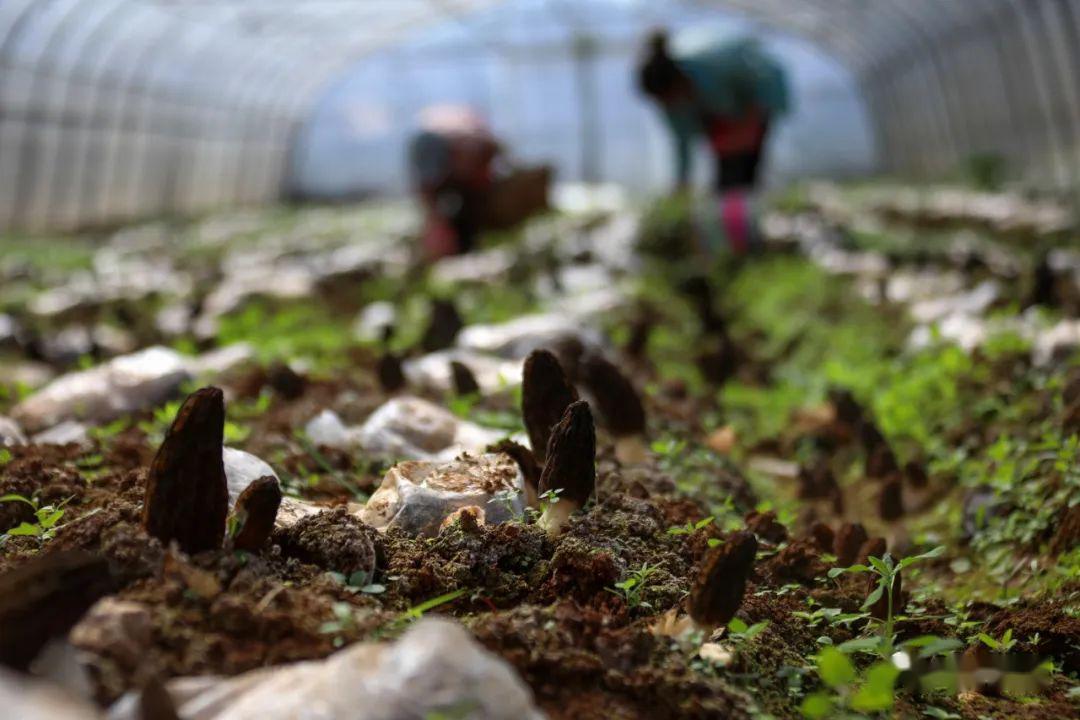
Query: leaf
[(989, 641), (755, 629), (373, 589), (836, 572), (50, 518), (14, 497), (5, 456), (879, 565), (876, 694), (835, 668), (936, 552), (931, 645), (873, 597), (25, 529), (939, 714), (737, 626), (818, 705), (866, 644)]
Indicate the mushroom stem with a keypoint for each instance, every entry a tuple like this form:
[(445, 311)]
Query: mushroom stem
[(555, 516)]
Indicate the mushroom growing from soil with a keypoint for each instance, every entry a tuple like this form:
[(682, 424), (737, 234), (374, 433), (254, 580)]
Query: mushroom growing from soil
[(255, 513), (526, 461), (849, 539), (619, 404), (390, 373), (891, 500), (570, 472), (443, 326), (545, 395), (463, 379), (720, 584), (187, 495)]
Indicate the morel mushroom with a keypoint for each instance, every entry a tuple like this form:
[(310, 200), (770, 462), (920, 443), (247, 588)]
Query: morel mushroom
[(187, 495), (463, 379), (443, 326), (569, 477), (720, 584), (891, 500), (255, 512), (619, 404), (390, 373), (526, 462), (546, 393), (849, 539)]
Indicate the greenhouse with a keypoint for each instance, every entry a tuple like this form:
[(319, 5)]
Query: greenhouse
[(513, 359)]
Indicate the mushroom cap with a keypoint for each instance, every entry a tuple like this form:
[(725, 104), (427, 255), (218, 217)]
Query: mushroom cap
[(720, 584), (618, 402), (849, 539), (545, 395), (463, 378), (571, 456)]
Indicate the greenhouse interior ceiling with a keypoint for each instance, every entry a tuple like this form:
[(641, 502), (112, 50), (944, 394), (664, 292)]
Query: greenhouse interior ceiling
[(113, 109)]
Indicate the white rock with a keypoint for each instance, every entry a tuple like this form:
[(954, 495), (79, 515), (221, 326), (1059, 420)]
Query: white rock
[(327, 429), (436, 669), (221, 360), (120, 628), (411, 428), (242, 469), (120, 386), (24, 698), (518, 337), (974, 302), (417, 496), (67, 432), (373, 319), (10, 432), (432, 371), (1062, 337), (486, 266)]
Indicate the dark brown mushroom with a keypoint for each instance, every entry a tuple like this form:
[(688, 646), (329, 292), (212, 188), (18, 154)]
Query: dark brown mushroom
[(915, 475), (255, 512), (443, 326), (570, 471), (766, 526), (891, 500), (526, 461), (285, 381), (463, 379), (187, 496), (874, 547), (619, 404), (880, 462), (390, 373), (718, 589), (545, 395), (823, 536), (849, 538)]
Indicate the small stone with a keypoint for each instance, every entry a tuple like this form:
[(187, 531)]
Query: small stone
[(417, 496), (718, 589), (10, 433), (121, 630), (722, 440), (187, 495), (255, 513), (242, 469), (519, 337), (68, 432), (407, 427), (327, 430), (546, 393)]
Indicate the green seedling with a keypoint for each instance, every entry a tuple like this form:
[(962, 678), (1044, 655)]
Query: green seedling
[(690, 528), (633, 587), (417, 611), (739, 631), (1001, 645), (849, 694), (46, 519), (887, 571)]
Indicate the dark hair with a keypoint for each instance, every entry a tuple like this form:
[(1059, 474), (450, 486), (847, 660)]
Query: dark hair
[(658, 74)]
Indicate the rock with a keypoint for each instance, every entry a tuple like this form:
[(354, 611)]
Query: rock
[(10, 432), (187, 497), (436, 669), (115, 388), (65, 433), (417, 496), (517, 338), (242, 469), (28, 699), (375, 321), (121, 630), (412, 428), (326, 429), (433, 372), (220, 361)]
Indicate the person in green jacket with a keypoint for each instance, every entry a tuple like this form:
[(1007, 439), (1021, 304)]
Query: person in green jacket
[(728, 93)]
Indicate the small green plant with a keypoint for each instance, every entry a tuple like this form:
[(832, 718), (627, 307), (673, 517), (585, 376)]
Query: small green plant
[(359, 582), (849, 694), (549, 498), (5, 456), (344, 621), (417, 611), (739, 631), (1002, 645), (690, 527), (633, 587), (46, 519), (506, 498), (887, 571)]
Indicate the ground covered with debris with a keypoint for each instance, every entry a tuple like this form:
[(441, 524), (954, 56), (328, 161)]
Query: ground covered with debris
[(249, 466)]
